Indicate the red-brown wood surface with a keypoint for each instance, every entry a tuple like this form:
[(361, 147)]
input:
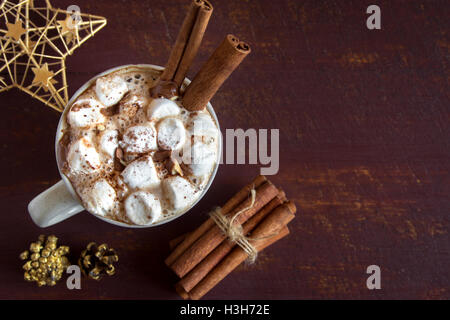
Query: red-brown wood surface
[(364, 142)]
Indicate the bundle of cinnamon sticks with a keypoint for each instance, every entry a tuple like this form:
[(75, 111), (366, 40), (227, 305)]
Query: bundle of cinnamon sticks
[(225, 59), (205, 256)]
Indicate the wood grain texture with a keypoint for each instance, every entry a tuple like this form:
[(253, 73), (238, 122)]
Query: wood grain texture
[(364, 139)]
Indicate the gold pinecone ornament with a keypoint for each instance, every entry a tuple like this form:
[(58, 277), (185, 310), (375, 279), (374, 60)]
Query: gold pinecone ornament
[(96, 261), (46, 262)]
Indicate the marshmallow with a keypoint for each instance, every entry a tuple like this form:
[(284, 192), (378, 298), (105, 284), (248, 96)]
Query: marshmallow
[(85, 113), (100, 198), (141, 173), (162, 108), (203, 125), (109, 142), (139, 139), (179, 191), (171, 134), (203, 158), (142, 208), (82, 157), (110, 90)]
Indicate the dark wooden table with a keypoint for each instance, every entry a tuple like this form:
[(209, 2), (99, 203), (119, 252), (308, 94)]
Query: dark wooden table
[(364, 149)]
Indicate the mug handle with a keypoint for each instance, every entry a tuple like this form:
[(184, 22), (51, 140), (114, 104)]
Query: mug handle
[(53, 206)]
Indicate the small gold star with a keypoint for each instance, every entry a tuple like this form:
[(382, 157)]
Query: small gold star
[(15, 30), (68, 25), (43, 76), (69, 28)]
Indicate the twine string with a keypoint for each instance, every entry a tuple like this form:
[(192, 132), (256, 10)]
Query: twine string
[(235, 232)]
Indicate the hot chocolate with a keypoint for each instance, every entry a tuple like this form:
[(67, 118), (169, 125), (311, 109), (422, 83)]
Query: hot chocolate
[(133, 158)]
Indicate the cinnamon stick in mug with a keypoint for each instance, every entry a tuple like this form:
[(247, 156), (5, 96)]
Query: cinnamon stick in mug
[(214, 237), (209, 223), (214, 72), (207, 264), (270, 230), (185, 49), (198, 30)]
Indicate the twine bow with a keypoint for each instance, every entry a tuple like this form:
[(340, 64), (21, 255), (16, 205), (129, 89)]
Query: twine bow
[(233, 231)]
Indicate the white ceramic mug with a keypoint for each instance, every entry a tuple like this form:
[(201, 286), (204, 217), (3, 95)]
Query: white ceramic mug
[(61, 202)]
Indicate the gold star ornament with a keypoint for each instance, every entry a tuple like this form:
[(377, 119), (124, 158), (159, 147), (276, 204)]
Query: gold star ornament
[(15, 30), (43, 77), (35, 40)]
